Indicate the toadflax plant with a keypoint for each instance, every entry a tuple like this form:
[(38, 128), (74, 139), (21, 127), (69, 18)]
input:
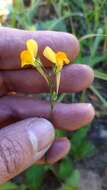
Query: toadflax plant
[(58, 59)]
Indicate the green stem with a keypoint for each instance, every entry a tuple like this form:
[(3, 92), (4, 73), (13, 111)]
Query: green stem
[(95, 91), (61, 97), (48, 78)]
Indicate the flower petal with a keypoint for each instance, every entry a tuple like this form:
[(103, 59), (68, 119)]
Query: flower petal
[(62, 59), (50, 54), (26, 58), (32, 47), (66, 61), (61, 56)]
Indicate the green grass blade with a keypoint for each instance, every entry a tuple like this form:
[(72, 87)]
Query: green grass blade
[(100, 75), (96, 92)]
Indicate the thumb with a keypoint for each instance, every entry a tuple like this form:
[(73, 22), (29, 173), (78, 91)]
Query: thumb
[(23, 143)]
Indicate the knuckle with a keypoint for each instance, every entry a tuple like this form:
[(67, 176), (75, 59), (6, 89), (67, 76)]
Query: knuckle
[(3, 85), (11, 154)]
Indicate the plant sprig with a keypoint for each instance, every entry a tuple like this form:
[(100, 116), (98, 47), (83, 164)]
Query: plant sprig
[(58, 59)]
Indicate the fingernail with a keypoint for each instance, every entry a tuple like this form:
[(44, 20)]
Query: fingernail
[(91, 111), (41, 135)]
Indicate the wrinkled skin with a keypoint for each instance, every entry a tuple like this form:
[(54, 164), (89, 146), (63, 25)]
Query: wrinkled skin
[(25, 136)]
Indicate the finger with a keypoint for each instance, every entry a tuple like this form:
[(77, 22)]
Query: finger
[(58, 151), (22, 144), (74, 79), (65, 116), (12, 42)]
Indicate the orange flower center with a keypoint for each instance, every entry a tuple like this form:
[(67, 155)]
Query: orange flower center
[(62, 57)]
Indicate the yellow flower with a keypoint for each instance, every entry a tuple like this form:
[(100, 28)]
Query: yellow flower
[(59, 59), (28, 56)]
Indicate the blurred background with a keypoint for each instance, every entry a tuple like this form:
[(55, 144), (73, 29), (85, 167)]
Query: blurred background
[(86, 165)]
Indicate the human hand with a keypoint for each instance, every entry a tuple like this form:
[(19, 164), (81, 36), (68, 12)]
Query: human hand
[(24, 135)]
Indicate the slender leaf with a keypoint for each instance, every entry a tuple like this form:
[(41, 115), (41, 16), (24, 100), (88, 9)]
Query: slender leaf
[(34, 177), (100, 75)]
